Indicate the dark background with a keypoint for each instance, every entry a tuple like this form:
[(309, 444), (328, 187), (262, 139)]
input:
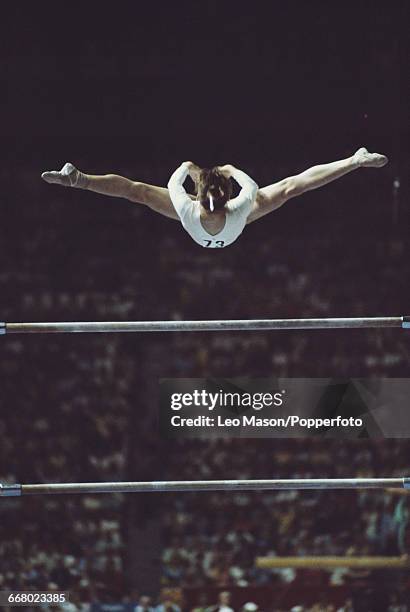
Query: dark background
[(136, 88), (272, 87)]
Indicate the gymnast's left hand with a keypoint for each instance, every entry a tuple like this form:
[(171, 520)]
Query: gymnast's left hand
[(193, 170)]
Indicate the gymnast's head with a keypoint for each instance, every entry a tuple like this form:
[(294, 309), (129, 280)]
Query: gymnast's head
[(214, 189)]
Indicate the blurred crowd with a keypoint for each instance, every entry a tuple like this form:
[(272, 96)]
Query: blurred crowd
[(215, 538), (68, 404)]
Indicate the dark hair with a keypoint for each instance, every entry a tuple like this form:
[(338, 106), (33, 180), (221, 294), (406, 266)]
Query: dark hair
[(214, 183)]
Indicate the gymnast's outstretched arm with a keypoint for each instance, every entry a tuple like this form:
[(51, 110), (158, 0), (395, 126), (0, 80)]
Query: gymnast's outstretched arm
[(273, 196)]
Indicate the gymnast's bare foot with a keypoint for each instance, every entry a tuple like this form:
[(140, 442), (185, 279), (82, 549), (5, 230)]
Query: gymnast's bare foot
[(364, 159), (68, 176)]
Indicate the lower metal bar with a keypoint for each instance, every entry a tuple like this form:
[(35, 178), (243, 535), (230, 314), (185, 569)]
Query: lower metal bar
[(203, 485), (191, 326)]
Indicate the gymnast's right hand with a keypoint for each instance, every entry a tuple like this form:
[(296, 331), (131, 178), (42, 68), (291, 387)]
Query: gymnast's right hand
[(226, 170)]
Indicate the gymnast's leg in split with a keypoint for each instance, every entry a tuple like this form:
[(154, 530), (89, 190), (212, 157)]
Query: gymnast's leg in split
[(273, 196), (156, 198)]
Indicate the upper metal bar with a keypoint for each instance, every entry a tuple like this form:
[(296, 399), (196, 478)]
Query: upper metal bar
[(203, 485), (198, 326)]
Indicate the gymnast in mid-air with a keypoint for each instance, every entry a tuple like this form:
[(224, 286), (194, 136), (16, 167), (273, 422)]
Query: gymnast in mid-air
[(212, 217)]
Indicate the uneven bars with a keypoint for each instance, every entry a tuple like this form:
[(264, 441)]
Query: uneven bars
[(204, 326), (16, 490)]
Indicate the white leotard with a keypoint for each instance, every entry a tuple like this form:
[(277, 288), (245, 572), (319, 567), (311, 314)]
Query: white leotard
[(236, 210)]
